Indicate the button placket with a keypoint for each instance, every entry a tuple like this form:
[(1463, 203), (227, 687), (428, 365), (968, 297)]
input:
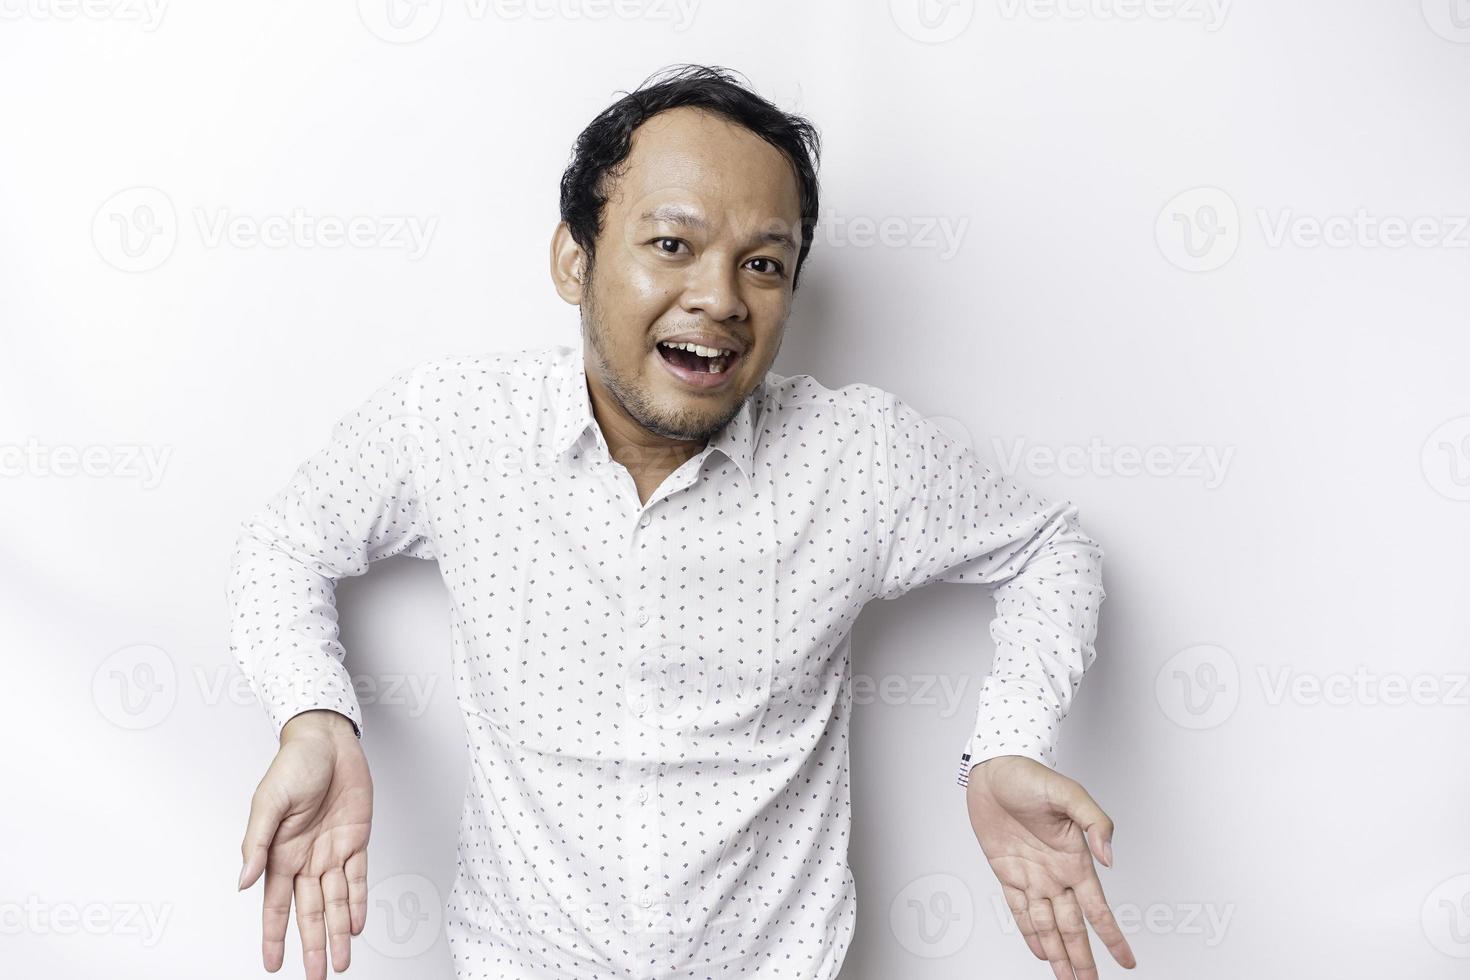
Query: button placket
[(643, 813)]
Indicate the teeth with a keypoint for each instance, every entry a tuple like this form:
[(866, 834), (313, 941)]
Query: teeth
[(699, 349)]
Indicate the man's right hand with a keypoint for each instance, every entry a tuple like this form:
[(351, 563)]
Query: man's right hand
[(308, 831)]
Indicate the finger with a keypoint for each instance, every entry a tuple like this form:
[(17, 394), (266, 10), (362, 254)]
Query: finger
[(276, 912), (1016, 901), (309, 924), (357, 890), (1097, 826), (1051, 941), (1074, 935), (339, 935), (1095, 906), (267, 810)]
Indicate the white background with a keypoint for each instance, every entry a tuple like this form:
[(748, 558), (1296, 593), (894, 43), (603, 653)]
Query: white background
[(1277, 719)]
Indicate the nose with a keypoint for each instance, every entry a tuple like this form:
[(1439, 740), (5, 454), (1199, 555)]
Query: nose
[(714, 290)]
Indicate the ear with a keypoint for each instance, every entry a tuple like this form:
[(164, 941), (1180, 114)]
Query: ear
[(568, 265)]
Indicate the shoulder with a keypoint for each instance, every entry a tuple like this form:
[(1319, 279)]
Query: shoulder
[(801, 396), (857, 408), (448, 380), (531, 365)]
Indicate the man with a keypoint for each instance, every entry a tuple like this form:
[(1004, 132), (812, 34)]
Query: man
[(656, 547)]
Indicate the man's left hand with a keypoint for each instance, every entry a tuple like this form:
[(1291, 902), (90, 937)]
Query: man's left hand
[(1040, 832)]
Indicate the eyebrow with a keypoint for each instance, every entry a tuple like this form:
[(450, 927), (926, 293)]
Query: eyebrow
[(676, 215)]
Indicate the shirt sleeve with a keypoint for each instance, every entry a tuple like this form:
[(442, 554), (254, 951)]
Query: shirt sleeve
[(357, 499), (952, 518)]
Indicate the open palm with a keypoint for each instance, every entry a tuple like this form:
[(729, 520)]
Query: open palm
[(1040, 832), (308, 831)]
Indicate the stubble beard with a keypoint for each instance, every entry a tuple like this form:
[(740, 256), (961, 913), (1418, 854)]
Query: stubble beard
[(633, 399)]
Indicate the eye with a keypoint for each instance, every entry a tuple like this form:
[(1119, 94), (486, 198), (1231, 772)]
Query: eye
[(659, 243), (772, 266)]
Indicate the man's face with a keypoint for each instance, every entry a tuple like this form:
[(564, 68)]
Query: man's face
[(699, 241)]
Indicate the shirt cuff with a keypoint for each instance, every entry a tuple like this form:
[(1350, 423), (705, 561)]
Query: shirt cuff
[(329, 687), (1010, 722)]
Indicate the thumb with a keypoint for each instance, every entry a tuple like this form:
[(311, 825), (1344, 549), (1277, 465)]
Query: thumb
[(267, 809), (1097, 826)]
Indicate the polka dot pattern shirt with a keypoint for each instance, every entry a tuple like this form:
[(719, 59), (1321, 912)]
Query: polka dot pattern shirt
[(656, 696)]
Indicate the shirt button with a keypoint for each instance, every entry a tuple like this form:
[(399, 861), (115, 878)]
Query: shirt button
[(645, 901), (643, 796), (642, 617), (645, 520)]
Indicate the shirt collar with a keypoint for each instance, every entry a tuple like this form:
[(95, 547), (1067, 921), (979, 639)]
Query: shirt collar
[(574, 416)]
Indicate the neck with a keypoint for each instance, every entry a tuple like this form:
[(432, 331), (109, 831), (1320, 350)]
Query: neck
[(647, 455)]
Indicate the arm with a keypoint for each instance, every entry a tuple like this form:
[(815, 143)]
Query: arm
[(360, 498), (951, 518), (356, 500)]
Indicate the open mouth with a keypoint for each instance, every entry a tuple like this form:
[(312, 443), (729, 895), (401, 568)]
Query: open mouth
[(698, 359)]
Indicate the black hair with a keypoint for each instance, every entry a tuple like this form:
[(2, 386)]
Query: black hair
[(607, 141)]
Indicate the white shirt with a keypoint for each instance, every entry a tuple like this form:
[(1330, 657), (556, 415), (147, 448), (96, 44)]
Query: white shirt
[(657, 696)]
